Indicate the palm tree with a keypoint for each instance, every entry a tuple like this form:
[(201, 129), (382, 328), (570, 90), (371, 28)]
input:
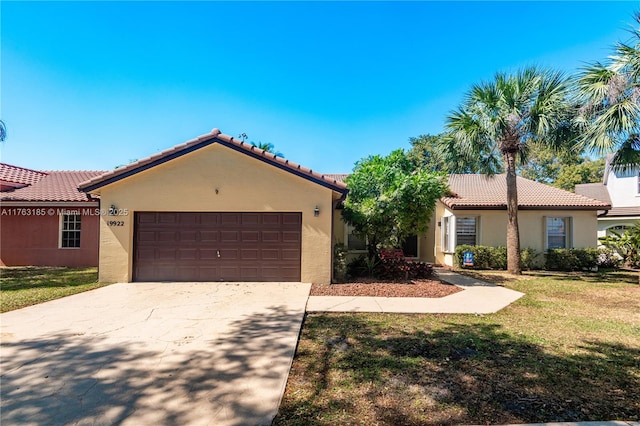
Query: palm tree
[(497, 121), (3, 131), (267, 147), (610, 97)]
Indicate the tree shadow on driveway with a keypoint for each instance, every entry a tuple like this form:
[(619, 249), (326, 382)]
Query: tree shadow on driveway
[(77, 378)]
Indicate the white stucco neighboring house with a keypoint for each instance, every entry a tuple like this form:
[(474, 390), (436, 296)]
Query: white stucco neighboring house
[(622, 191)]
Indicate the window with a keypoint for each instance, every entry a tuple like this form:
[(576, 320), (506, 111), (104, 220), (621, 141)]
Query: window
[(458, 231), (558, 232), (466, 231), (447, 244), (353, 241), (410, 246), (70, 231)]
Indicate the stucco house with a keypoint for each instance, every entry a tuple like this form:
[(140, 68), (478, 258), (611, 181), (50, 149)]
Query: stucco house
[(622, 191), (215, 209), (45, 220), (476, 214)]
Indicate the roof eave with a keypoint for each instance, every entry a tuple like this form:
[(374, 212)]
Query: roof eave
[(94, 184)]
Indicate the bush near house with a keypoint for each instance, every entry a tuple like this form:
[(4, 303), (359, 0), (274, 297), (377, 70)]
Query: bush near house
[(389, 264), (486, 257), (554, 260)]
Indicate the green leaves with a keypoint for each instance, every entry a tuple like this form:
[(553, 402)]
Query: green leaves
[(610, 97), (389, 198)]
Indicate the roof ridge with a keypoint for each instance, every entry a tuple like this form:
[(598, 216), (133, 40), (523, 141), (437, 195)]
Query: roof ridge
[(214, 134)]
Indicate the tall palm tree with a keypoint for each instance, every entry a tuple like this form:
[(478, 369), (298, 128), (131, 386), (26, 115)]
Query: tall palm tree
[(498, 119), (3, 131), (610, 97)]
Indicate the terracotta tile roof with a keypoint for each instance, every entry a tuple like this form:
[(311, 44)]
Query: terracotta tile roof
[(55, 186), (338, 177), (622, 212), (19, 176), (490, 192), (597, 191), (214, 137)]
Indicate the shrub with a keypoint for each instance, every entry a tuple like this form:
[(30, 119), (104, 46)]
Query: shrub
[(571, 259), (394, 266), (528, 258), (608, 258)]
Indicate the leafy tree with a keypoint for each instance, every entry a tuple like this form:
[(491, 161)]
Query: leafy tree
[(500, 118), (610, 96), (586, 172), (389, 199), (267, 147), (436, 153), (544, 163)]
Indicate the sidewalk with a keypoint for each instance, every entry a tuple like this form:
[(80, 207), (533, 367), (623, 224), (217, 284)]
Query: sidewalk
[(478, 297)]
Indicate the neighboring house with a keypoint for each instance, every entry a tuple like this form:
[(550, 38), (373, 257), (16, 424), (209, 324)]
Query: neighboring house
[(45, 220), (216, 209), (476, 213), (622, 191)]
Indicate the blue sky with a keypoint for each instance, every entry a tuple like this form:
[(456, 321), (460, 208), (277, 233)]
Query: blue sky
[(91, 85)]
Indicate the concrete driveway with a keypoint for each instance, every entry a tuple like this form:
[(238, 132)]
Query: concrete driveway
[(152, 353)]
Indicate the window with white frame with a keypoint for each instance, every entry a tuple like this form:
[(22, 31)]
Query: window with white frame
[(447, 244), (459, 231), (70, 231), (353, 241), (558, 232)]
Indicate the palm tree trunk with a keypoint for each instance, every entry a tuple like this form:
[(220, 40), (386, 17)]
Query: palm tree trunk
[(513, 231)]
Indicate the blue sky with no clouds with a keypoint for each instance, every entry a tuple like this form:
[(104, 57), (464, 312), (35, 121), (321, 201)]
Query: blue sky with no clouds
[(91, 85)]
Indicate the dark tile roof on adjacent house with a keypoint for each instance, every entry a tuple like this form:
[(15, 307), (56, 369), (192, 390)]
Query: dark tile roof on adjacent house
[(53, 186), (597, 191), (490, 192), (621, 212), (214, 137)]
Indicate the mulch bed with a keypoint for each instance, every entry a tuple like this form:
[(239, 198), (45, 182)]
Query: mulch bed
[(371, 287)]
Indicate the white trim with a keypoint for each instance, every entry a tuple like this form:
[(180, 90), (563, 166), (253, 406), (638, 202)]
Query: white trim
[(568, 232), (61, 230)]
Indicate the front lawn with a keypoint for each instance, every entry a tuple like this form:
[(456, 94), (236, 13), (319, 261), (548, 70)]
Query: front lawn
[(30, 285), (567, 351)]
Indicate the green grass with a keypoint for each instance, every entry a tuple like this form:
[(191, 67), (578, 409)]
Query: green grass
[(26, 286), (567, 351)]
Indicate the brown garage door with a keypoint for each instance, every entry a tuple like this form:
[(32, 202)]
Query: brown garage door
[(179, 246)]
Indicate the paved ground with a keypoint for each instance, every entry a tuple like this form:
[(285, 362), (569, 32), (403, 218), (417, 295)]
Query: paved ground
[(478, 297), (149, 353)]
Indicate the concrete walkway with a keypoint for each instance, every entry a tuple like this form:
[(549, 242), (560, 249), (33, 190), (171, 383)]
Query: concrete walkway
[(477, 297), (151, 354)]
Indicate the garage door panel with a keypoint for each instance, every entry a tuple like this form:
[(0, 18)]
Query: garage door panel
[(229, 236), (210, 246), (250, 236), (170, 236), (270, 236), (249, 254), (290, 237), (291, 219), (208, 236), (167, 218)]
